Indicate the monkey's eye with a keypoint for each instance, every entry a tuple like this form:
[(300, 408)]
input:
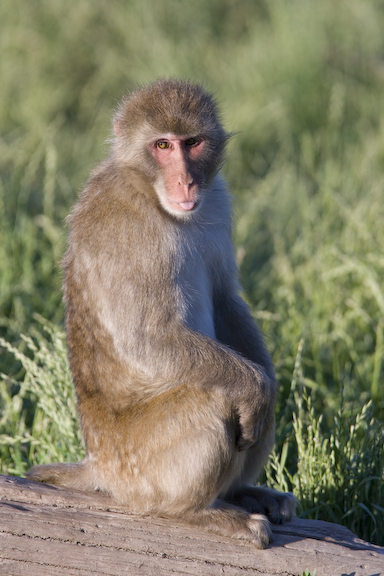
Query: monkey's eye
[(192, 141), (162, 144)]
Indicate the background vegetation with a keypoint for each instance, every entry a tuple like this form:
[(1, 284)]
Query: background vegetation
[(302, 83)]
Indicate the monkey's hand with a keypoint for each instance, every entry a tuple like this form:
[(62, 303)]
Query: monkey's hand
[(255, 409)]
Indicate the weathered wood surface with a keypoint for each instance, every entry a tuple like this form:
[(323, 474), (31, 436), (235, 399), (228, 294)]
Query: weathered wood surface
[(48, 531)]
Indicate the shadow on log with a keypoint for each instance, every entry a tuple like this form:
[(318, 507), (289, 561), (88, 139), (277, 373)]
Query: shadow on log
[(49, 531)]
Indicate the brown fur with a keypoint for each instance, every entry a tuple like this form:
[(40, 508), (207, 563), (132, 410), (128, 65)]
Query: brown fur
[(176, 390)]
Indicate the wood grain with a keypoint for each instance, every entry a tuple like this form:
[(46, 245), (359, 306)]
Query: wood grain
[(49, 531)]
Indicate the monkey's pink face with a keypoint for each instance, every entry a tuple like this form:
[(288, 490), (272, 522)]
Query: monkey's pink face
[(180, 187)]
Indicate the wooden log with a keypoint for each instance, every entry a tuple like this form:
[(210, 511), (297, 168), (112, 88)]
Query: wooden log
[(49, 531)]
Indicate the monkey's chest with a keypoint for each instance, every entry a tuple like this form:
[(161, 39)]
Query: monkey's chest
[(194, 296)]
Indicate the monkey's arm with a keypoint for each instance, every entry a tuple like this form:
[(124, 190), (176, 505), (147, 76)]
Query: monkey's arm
[(194, 359), (236, 328), (151, 355)]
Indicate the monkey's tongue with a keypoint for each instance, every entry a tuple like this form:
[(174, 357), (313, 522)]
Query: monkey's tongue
[(187, 205)]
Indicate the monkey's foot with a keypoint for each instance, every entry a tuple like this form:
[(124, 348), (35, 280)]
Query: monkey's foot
[(261, 531), (233, 522), (279, 507)]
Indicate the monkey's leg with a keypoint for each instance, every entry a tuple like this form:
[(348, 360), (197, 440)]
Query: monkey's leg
[(170, 457), (277, 506), (179, 453), (187, 455)]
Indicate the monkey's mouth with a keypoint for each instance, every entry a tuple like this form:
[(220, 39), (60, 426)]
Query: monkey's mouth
[(186, 206)]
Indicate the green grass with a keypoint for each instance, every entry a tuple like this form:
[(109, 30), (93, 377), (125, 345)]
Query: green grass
[(50, 431), (302, 85)]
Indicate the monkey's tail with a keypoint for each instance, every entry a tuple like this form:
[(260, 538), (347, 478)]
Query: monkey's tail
[(75, 475)]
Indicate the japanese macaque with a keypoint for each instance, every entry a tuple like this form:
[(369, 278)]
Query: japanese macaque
[(175, 387)]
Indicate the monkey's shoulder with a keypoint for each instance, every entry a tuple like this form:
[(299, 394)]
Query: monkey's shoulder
[(113, 198)]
